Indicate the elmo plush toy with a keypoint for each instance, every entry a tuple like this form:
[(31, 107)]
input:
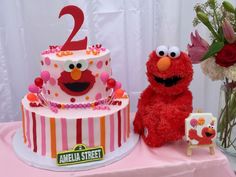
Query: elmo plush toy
[(167, 101)]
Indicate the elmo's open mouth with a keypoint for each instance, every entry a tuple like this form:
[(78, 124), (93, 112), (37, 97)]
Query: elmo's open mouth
[(208, 134), (168, 82), (77, 86)]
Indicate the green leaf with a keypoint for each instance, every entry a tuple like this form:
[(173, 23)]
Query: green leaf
[(212, 3), (203, 17), (228, 6), (213, 49)]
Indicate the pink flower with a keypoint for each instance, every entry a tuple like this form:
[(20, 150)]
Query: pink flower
[(228, 31), (198, 48)]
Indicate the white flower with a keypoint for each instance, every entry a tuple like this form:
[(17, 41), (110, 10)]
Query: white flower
[(213, 70), (230, 72)]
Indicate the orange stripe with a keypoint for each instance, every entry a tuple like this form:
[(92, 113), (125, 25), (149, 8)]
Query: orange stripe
[(128, 120), (53, 137), (23, 122), (102, 132)]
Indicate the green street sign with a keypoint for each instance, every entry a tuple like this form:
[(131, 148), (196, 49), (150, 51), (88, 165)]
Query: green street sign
[(80, 154)]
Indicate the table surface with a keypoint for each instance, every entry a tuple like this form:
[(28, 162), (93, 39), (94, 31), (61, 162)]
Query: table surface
[(167, 161)]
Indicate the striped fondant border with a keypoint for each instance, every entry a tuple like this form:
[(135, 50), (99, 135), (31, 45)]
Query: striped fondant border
[(109, 131)]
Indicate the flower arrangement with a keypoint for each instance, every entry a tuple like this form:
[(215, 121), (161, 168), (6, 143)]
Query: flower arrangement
[(218, 59)]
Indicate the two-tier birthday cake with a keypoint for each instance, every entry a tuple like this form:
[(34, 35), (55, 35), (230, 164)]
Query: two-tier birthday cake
[(74, 101)]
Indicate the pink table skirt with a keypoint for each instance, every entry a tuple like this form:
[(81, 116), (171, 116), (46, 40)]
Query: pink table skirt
[(167, 161)]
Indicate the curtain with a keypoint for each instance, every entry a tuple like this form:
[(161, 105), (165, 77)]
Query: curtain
[(131, 29)]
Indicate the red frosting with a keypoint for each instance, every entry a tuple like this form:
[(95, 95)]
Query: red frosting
[(76, 87)]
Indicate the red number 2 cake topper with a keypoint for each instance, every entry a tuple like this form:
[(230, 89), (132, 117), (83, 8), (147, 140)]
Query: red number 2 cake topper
[(78, 16)]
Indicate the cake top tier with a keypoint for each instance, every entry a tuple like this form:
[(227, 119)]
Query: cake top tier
[(75, 76)]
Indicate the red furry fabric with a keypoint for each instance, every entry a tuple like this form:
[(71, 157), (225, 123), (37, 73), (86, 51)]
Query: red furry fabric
[(162, 110)]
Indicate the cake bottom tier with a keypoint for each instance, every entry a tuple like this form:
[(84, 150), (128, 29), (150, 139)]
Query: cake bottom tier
[(47, 133)]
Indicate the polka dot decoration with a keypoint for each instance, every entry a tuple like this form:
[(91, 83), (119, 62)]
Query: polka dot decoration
[(72, 100), (47, 61), (99, 64), (56, 94), (55, 65), (49, 92), (87, 97), (98, 96), (52, 81), (91, 62), (42, 62), (106, 63)]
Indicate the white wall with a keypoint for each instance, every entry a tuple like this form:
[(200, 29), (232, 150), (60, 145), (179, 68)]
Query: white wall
[(129, 28)]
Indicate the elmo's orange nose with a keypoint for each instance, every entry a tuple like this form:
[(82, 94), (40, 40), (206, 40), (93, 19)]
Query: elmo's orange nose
[(210, 130), (75, 74), (163, 64)]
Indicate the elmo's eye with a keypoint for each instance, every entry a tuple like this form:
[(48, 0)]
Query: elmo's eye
[(69, 66), (82, 65), (161, 51), (79, 65), (174, 52)]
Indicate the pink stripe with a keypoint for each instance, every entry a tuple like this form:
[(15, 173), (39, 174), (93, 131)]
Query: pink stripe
[(112, 135), (64, 134), (28, 128), (91, 131), (124, 111), (43, 135)]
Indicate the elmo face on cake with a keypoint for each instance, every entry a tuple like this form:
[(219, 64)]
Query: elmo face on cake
[(166, 102), (76, 79), (169, 70)]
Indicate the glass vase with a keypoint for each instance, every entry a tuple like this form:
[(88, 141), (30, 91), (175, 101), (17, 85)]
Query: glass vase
[(226, 136)]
